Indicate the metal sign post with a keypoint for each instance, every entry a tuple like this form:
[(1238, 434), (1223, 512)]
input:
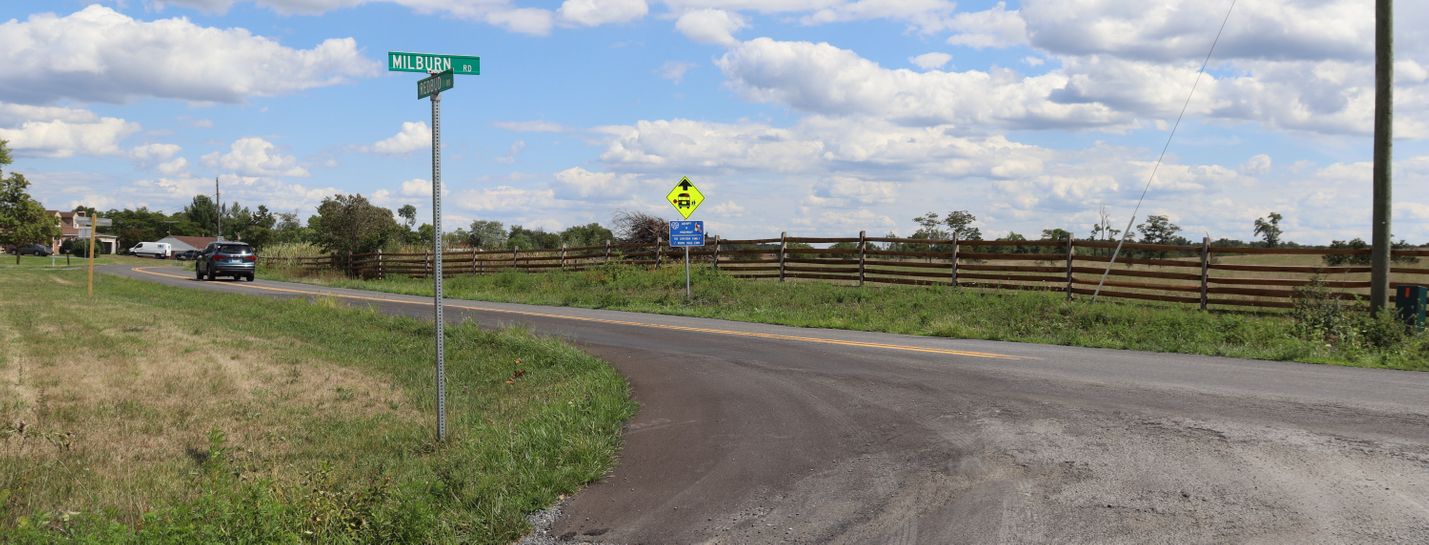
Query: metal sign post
[(687, 234), (442, 70), (437, 265)]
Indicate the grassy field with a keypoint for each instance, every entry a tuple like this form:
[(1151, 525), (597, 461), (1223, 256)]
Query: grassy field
[(156, 415), (937, 311)]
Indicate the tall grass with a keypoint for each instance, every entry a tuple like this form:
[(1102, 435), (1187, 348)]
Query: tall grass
[(1041, 317), (153, 415)]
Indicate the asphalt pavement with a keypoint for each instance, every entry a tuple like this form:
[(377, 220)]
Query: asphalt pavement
[(752, 433)]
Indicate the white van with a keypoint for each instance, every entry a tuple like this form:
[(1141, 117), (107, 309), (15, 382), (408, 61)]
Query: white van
[(156, 250)]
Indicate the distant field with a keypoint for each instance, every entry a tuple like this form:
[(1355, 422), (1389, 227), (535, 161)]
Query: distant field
[(1026, 316), (154, 415)]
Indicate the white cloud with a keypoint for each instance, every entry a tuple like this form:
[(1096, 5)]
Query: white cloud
[(418, 187), (925, 15), (62, 139), (14, 114), (512, 153), (601, 12), (150, 153), (98, 54), (255, 157), (674, 70), (533, 21), (579, 182), (1257, 165), (931, 61), (413, 136), (504, 198), (824, 79), (173, 167), (852, 192), (530, 126), (996, 27), (711, 26)]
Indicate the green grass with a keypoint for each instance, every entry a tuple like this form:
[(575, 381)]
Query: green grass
[(60, 262), (159, 415), (1038, 317)]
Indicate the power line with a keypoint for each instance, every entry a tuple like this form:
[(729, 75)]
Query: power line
[(1160, 158)]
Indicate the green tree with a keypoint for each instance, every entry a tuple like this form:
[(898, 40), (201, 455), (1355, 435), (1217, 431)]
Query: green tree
[(522, 238), (288, 230), (1056, 233), (487, 235), (135, 226), (203, 214), (960, 225), (423, 236), (255, 228), (1268, 229), (22, 219), (348, 224), (590, 234), (1159, 230)]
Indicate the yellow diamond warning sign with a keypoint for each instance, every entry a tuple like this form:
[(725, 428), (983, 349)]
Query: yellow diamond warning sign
[(685, 197)]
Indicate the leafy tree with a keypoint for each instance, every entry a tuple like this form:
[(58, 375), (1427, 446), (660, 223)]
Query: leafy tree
[(930, 227), (1268, 228), (487, 234), (638, 227), (204, 214), (1159, 230), (288, 230), (960, 224), (22, 219), (255, 228), (349, 224), (408, 213), (1365, 258), (522, 238), (590, 234), (1056, 233), (1012, 236), (424, 236)]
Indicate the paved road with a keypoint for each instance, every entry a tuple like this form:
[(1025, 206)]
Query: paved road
[(752, 433)]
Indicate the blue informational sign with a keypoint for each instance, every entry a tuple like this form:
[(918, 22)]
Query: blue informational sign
[(687, 233)]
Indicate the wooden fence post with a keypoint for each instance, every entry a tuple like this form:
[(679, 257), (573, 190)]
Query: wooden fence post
[(862, 255), (514, 254), (427, 264), (381, 273), (1071, 251), (1205, 270), (607, 250), (474, 251), (783, 247), (956, 248), (563, 256), (659, 250), (716, 253)]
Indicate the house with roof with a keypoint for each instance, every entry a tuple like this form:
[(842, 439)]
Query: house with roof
[(183, 243), (69, 231)]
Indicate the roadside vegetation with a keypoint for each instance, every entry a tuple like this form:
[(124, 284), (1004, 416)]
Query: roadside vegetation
[(153, 415), (1323, 330)]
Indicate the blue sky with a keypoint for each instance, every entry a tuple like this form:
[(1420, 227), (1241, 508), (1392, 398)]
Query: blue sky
[(816, 117)]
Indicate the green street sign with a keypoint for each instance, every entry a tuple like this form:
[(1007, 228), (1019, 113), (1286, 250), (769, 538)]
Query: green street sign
[(435, 84), (398, 61)]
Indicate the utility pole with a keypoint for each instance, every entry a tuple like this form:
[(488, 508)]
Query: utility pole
[(218, 220), (1383, 147)]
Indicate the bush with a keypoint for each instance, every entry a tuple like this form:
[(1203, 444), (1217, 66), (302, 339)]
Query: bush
[(1321, 316)]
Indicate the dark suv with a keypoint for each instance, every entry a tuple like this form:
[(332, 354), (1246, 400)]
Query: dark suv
[(234, 259), (33, 249)]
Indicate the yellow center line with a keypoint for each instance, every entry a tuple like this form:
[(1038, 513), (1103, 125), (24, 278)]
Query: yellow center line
[(729, 332)]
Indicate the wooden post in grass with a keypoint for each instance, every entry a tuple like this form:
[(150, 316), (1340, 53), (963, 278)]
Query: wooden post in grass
[(514, 255), (427, 263), (1071, 250), (659, 250), (607, 250), (474, 264), (93, 226), (716, 253), (862, 255), (783, 247), (956, 248), (1205, 269), (563, 256), (381, 273)]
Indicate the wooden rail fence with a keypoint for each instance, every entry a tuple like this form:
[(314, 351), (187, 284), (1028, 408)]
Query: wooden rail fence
[(1200, 274)]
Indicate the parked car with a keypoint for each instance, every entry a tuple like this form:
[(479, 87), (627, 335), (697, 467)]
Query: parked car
[(187, 255), (235, 259), (33, 249), (156, 250)]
